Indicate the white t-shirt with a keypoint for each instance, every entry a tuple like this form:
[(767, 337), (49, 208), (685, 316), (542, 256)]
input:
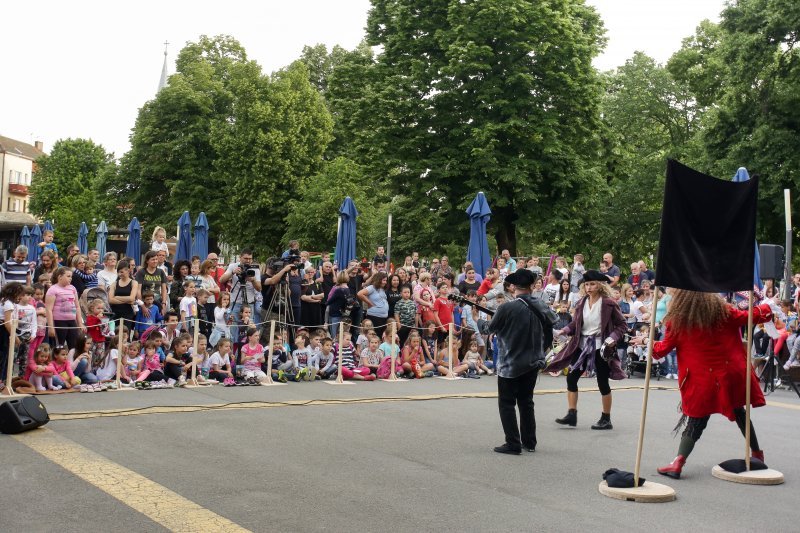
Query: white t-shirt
[(109, 371), (234, 290), (220, 318), (26, 315), (189, 306), (159, 246), (219, 360), (207, 282), (106, 279), (551, 291), (637, 311)]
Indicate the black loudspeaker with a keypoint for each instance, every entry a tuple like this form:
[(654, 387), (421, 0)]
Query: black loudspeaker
[(771, 256), (21, 415)]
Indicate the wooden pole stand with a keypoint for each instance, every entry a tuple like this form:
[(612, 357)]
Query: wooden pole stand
[(9, 390), (192, 382), (449, 376), (269, 382), (648, 492)]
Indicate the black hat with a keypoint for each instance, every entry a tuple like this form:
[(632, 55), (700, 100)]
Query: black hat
[(594, 275), (522, 277)]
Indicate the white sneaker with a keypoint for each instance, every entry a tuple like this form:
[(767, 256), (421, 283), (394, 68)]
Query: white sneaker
[(171, 382)]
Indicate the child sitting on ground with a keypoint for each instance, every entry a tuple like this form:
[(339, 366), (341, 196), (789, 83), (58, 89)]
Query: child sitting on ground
[(413, 357), (252, 357), (363, 335), (326, 359), (371, 356), (179, 361), (221, 362), (41, 372), (62, 370), (301, 358), (347, 353), (473, 359), (443, 360), (133, 361), (152, 364)]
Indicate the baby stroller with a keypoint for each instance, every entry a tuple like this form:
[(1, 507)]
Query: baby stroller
[(637, 362), (90, 295)]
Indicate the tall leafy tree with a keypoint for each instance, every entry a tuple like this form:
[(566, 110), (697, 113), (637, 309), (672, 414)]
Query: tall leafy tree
[(66, 188), (496, 95), (226, 139)]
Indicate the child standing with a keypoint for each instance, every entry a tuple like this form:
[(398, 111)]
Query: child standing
[(188, 307), (221, 319), (143, 322), (41, 318), (405, 313), (94, 327), (47, 242), (252, 357), (205, 324), (158, 244), (27, 328)]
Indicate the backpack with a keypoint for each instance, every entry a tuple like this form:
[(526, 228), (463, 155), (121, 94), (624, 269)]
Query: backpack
[(385, 368), (547, 320)]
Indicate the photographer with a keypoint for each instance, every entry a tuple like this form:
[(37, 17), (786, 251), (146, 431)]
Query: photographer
[(245, 281), (288, 270)]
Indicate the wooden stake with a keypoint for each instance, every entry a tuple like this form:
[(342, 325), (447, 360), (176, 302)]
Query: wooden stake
[(9, 390), (393, 355), (450, 349), (195, 342), (269, 352), (646, 390), (747, 380), (339, 378)]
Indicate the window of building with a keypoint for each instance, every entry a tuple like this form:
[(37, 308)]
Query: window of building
[(9, 204)]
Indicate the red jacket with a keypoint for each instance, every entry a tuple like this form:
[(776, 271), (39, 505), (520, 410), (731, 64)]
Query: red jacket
[(712, 366)]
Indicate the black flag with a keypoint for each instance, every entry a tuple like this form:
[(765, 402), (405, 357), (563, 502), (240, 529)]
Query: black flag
[(708, 227)]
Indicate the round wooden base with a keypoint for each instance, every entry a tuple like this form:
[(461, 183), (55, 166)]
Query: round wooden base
[(753, 477), (649, 492)]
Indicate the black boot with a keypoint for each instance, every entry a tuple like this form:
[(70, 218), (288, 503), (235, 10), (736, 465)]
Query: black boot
[(570, 420), (604, 422)]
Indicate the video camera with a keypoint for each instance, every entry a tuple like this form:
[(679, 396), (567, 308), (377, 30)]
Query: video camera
[(279, 263), (248, 270)]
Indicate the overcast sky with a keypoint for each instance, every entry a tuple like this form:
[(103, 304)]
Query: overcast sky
[(83, 69)]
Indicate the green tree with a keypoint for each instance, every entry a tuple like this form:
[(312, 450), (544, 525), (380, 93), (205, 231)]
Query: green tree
[(648, 117), (66, 187), (497, 96), (748, 74), (226, 139)]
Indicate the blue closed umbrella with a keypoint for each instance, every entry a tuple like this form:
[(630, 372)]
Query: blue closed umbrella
[(346, 238), (36, 237), (478, 251), (134, 247), (200, 244), (48, 226), (743, 175), (25, 238), (184, 251), (102, 235), (83, 238)]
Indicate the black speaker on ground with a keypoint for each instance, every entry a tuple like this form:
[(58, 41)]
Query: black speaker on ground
[(771, 256), (22, 414)]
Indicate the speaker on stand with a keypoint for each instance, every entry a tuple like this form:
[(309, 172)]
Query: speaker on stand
[(771, 265)]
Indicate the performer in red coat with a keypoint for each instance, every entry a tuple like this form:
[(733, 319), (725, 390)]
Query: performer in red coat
[(712, 365)]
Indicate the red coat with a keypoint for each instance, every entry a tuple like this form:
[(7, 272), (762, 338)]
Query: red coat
[(712, 366)]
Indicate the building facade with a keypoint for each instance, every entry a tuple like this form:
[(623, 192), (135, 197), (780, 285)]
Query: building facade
[(17, 166)]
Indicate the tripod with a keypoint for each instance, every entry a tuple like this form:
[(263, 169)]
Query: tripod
[(280, 308)]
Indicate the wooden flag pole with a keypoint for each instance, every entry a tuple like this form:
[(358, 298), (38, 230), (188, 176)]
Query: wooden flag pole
[(12, 341), (645, 396), (766, 476), (648, 492)]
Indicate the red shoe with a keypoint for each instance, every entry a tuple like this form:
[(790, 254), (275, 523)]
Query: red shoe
[(673, 469), (758, 454), (371, 377)]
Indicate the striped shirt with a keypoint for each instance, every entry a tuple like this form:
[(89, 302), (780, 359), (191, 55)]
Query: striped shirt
[(16, 272), (348, 354)]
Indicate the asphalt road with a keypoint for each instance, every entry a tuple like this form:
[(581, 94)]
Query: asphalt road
[(380, 456)]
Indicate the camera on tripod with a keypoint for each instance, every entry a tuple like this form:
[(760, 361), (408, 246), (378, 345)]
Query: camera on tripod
[(247, 271), (293, 259)]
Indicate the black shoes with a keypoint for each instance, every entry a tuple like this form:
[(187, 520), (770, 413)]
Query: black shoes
[(604, 422), (570, 420), (530, 449), (505, 448)]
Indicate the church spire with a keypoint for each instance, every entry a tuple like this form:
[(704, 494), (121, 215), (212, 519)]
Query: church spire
[(163, 81)]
